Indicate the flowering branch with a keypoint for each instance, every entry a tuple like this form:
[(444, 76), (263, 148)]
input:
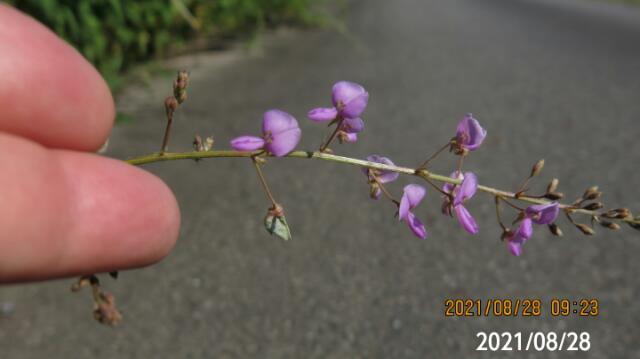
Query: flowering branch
[(280, 135), (421, 173)]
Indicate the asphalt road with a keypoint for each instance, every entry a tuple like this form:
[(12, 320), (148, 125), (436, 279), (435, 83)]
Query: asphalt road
[(558, 80)]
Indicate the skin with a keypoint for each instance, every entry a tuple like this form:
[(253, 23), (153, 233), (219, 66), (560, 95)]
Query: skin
[(63, 210)]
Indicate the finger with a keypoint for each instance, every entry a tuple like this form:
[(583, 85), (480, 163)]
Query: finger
[(48, 91), (65, 213)]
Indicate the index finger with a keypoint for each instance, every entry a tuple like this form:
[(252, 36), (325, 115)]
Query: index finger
[(48, 91)]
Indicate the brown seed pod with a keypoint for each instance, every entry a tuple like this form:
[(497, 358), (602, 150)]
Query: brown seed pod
[(537, 168)]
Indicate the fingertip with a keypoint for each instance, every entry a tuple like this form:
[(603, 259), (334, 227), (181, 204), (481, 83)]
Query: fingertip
[(49, 92)]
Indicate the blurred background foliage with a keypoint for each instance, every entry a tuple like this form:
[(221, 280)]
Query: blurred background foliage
[(115, 34)]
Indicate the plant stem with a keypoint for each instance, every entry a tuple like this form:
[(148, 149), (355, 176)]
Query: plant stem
[(426, 162), (167, 131), (422, 173), (265, 186), (333, 135)]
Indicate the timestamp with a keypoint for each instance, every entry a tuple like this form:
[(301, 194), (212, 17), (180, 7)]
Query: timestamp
[(563, 307)]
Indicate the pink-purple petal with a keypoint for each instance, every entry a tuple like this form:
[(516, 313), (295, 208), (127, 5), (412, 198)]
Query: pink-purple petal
[(413, 193), (469, 133), (385, 176), (353, 125), (449, 187), (543, 213), (276, 121), (323, 114), (515, 246), (247, 143), (467, 188), (525, 229), (349, 98), (350, 137), (282, 143), (466, 220), (416, 226)]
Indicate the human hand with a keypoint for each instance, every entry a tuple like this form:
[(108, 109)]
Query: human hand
[(64, 211)]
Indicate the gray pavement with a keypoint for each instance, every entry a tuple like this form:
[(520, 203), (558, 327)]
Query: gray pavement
[(558, 80)]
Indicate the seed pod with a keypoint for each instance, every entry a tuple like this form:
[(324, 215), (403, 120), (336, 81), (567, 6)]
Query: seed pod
[(554, 196), (553, 185), (555, 230), (593, 206), (585, 229), (535, 170)]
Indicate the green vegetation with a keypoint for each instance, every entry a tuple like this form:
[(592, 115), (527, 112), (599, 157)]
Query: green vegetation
[(115, 34)]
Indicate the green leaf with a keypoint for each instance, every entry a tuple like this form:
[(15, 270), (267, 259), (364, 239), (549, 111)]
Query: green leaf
[(277, 226)]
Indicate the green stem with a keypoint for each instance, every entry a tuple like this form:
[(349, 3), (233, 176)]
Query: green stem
[(422, 173)]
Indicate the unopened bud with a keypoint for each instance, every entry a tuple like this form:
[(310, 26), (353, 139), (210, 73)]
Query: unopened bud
[(170, 105), (624, 212), (535, 170), (585, 229), (208, 143), (555, 230), (197, 144), (591, 193), (554, 196), (553, 185), (593, 206), (180, 86)]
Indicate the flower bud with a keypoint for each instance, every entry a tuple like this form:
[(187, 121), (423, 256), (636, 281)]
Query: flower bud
[(535, 170), (197, 144), (555, 230), (593, 206), (180, 86), (591, 193), (553, 185), (208, 143), (554, 196), (610, 225), (170, 105), (585, 229)]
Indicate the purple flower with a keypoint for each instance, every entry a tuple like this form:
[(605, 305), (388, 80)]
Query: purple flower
[(461, 193), (280, 135), (515, 240), (543, 213), (382, 176), (349, 101), (349, 129), (538, 214), (412, 196), (469, 134)]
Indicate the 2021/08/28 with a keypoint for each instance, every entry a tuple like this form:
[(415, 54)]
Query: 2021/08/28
[(538, 341)]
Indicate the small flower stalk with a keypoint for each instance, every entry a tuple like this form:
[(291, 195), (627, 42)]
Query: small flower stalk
[(172, 103)]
